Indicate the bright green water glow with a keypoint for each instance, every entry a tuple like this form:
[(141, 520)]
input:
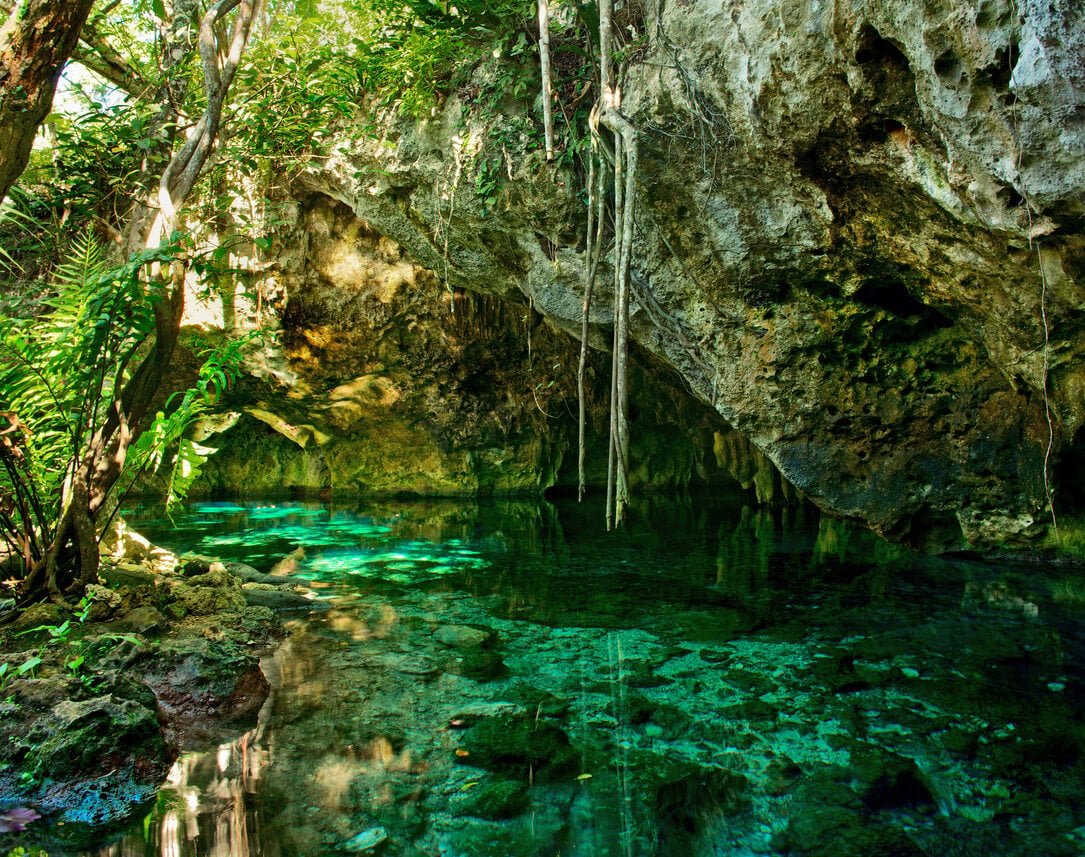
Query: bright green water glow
[(507, 679)]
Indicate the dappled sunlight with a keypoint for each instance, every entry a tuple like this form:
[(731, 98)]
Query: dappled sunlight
[(360, 628)]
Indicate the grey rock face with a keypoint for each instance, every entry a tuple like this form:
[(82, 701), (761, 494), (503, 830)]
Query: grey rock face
[(859, 240)]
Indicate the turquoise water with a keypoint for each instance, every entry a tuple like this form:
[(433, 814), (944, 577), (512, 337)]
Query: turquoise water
[(716, 679)]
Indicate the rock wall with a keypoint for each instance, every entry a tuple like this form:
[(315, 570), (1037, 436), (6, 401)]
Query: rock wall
[(859, 239), (380, 380)]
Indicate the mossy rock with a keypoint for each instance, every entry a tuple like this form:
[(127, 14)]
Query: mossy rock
[(207, 594), (40, 614), (495, 800), (144, 620), (206, 688), (92, 759), (519, 746)]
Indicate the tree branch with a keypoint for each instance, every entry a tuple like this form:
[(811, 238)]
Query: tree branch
[(96, 54)]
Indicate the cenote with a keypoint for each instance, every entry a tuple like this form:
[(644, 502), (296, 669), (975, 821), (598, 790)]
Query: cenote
[(770, 277), (504, 678)]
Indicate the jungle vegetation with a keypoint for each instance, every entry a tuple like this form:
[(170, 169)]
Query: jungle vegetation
[(156, 166)]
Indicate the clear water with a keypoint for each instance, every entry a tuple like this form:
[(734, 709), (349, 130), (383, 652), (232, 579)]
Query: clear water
[(716, 679)]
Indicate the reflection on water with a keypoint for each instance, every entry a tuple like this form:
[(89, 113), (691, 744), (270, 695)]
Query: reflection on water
[(506, 679)]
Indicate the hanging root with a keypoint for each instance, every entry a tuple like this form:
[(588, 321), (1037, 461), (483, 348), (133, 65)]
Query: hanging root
[(1048, 490), (544, 68), (1034, 243), (608, 112), (625, 130), (596, 197)]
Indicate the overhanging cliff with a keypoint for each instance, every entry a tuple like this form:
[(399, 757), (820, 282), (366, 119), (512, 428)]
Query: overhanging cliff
[(859, 239)]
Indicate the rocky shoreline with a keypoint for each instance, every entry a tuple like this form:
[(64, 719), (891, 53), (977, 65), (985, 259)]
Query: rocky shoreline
[(97, 702)]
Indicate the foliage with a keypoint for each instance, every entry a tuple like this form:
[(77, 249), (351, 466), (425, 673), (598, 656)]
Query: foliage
[(322, 64), (27, 667), (58, 374), (14, 220), (294, 93), (73, 651), (83, 181), (63, 375), (15, 820), (163, 446), (415, 52), (25, 250)]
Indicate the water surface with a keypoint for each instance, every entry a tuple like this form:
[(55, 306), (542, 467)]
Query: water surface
[(716, 679)]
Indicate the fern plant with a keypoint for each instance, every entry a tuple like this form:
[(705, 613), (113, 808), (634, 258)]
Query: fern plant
[(69, 425), (162, 447)]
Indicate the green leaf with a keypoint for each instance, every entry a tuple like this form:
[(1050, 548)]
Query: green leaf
[(61, 630)]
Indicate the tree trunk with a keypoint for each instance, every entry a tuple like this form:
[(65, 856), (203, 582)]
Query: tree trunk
[(73, 555), (35, 42)]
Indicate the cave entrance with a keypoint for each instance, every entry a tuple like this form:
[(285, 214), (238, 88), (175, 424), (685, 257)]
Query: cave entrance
[(1069, 477)]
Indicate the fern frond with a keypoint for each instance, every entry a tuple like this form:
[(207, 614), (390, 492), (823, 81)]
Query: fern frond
[(74, 279), (187, 464), (14, 218)]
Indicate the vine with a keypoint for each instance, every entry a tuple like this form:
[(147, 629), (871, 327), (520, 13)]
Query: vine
[(1034, 245), (607, 113)]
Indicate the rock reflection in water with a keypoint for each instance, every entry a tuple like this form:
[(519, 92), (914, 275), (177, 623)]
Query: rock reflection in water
[(206, 805)]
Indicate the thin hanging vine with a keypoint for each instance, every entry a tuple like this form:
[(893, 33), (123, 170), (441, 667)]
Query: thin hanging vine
[(544, 69)]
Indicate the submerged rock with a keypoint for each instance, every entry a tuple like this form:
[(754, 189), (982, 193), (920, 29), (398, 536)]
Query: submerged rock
[(521, 746), (834, 831), (367, 840), (695, 801), (477, 664), (495, 800), (462, 636)]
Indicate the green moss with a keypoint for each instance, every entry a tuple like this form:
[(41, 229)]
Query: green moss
[(1069, 540)]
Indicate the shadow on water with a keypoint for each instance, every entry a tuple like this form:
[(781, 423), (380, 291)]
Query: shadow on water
[(505, 678)]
